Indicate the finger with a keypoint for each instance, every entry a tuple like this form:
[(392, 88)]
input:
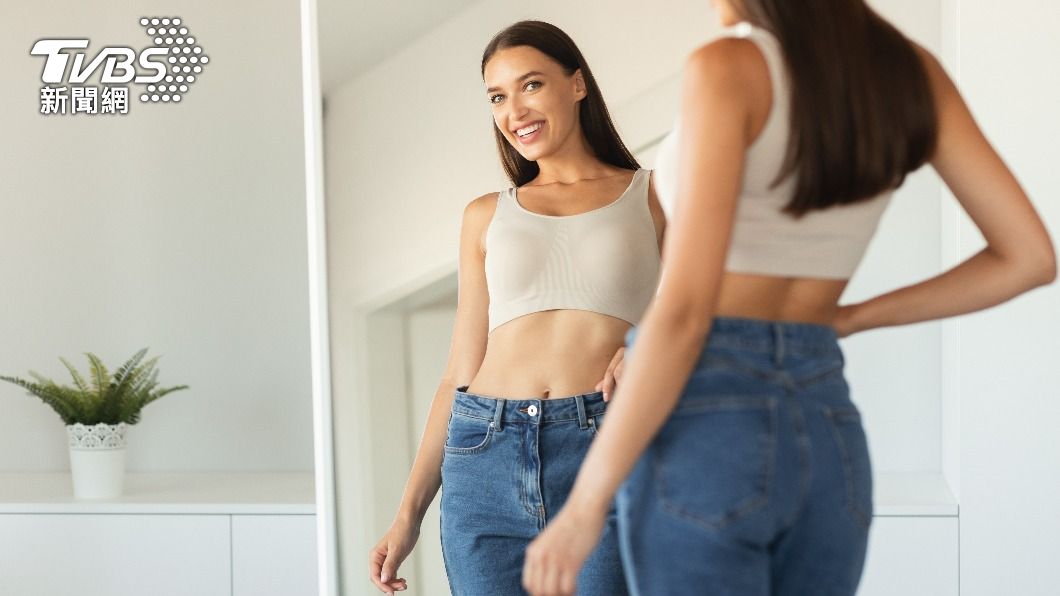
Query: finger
[(568, 583), (534, 572), (390, 567), (607, 385), (551, 580), (375, 568)]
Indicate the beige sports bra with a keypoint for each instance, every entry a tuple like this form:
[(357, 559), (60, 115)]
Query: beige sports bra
[(826, 243), (605, 260)]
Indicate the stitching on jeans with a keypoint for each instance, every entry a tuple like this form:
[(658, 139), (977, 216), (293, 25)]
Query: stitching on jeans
[(697, 405), (746, 506), (469, 450), (512, 420), (711, 362), (862, 517), (818, 377)]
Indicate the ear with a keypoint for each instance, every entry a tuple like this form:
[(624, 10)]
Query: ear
[(580, 91)]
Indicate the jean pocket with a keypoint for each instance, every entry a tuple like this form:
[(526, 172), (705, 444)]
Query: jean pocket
[(853, 448), (712, 463), (467, 434)]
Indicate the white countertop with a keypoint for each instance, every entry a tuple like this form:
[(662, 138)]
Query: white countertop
[(896, 494), (247, 493), (905, 494)]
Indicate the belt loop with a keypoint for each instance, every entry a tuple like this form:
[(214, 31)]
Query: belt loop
[(778, 344), (583, 420), (498, 415)]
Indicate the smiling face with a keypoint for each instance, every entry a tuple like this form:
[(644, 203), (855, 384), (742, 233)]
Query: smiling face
[(534, 101)]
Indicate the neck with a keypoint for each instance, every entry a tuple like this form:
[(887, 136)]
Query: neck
[(573, 161)]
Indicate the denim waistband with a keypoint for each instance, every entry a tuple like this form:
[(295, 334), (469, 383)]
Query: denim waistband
[(575, 407), (777, 338)]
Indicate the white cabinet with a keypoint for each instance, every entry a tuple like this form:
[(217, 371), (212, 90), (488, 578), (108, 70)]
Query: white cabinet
[(249, 534), (274, 555), (912, 556), (114, 555)]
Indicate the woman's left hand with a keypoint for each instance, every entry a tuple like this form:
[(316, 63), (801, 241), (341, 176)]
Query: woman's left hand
[(613, 372), (555, 557)]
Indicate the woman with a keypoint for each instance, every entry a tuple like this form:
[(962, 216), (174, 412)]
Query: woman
[(552, 274), (748, 471)]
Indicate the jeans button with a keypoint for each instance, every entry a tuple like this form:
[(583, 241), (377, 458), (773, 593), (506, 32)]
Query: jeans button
[(532, 410)]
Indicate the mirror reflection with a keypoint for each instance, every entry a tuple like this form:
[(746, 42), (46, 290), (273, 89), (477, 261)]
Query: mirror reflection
[(496, 229)]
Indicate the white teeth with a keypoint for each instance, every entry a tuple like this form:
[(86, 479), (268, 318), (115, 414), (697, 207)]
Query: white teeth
[(528, 129)]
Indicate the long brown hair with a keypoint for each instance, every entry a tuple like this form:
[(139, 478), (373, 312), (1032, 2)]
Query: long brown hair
[(595, 120), (862, 111)]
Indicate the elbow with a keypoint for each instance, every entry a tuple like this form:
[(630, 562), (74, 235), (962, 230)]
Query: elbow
[(1040, 268), (1045, 268), (1049, 268)]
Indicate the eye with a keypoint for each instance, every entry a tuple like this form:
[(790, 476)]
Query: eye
[(535, 84), (494, 98)]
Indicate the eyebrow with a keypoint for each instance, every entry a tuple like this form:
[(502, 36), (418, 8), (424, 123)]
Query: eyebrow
[(532, 73)]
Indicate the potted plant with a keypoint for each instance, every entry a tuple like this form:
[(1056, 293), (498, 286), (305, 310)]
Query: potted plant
[(97, 415)]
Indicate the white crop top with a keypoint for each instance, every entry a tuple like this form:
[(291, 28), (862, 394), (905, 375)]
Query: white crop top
[(824, 243), (605, 260)]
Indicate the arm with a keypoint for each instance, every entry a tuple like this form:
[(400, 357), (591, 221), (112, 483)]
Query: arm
[(466, 352), (1018, 256), (715, 114)]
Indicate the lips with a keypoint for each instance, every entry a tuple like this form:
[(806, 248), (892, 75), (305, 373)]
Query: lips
[(527, 134)]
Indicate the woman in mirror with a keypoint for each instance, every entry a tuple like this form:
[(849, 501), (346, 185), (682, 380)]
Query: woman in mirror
[(745, 462), (552, 273)]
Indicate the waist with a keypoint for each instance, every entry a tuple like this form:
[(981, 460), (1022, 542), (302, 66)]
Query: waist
[(529, 409), (767, 337), (797, 299)]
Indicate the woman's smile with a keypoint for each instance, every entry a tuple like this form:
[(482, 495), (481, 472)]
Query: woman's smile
[(529, 133)]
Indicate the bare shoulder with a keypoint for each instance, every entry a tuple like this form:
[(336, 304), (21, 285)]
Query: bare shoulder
[(477, 215), (729, 60), (942, 86), (480, 210)]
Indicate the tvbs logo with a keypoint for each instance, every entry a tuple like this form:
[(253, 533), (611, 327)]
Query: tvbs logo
[(119, 66), (167, 69)]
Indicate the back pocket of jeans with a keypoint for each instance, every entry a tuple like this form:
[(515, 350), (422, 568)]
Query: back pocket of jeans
[(712, 462), (853, 449), (467, 434)]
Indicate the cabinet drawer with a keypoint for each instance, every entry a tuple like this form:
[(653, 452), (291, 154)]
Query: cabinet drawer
[(114, 555), (274, 555), (911, 556)]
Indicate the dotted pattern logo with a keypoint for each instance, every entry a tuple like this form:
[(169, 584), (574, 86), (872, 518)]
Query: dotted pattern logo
[(186, 60)]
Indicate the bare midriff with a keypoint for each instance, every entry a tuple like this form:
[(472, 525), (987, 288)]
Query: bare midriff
[(548, 354), (560, 353), (792, 299)]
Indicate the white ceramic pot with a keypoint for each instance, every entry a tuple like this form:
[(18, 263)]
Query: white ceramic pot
[(97, 459)]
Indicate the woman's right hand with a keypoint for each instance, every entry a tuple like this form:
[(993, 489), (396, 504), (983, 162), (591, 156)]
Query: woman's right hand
[(388, 554)]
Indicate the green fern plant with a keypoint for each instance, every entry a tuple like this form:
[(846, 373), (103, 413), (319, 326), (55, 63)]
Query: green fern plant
[(107, 398)]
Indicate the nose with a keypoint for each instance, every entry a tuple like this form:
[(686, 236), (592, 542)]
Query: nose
[(516, 108)]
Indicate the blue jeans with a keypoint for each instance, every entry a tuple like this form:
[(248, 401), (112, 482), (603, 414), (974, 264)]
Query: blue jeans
[(759, 483), (508, 467)]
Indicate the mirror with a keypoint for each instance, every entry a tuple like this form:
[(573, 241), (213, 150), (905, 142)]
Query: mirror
[(407, 143)]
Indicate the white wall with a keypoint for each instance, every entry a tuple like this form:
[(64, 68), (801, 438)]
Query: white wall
[(429, 332), (1008, 375), (178, 227)]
